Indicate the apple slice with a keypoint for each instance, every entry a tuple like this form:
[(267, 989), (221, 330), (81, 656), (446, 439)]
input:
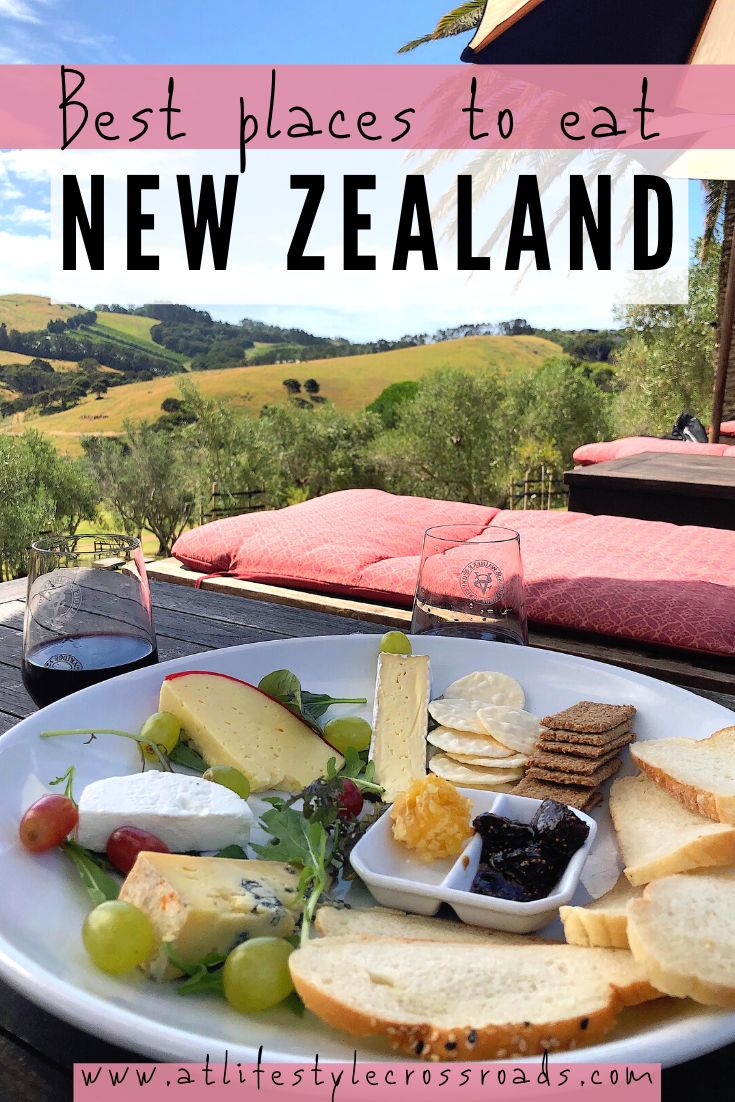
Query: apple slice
[(230, 722)]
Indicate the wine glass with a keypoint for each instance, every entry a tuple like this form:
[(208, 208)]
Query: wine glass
[(471, 585), (88, 613)]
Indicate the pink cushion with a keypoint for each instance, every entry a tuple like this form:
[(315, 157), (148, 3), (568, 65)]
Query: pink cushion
[(727, 428), (327, 542), (635, 579), (658, 583), (606, 450)]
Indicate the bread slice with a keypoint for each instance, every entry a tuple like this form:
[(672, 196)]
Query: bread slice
[(659, 836), (700, 774), (604, 921), (454, 1001), (682, 933), (385, 922)]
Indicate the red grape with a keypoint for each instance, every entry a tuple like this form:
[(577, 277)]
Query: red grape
[(47, 822), (125, 843), (350, 800)]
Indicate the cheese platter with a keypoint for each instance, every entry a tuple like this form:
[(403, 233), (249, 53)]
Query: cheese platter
[(194, 852)]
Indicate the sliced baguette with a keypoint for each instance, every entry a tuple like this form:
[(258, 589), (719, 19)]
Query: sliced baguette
[(700, 774), (604, 921), (659, 836), (386, 922), (456, 1001), (682, 933)]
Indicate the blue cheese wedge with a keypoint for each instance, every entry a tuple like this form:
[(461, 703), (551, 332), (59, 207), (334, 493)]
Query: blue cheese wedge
[(187, 813), (203, 905), (400, 721)]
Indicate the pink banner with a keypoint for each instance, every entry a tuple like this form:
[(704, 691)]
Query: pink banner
[(357, 1082), (359, 106)]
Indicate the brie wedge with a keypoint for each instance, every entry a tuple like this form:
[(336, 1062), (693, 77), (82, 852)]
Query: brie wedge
[(187, 813), (400, 721)]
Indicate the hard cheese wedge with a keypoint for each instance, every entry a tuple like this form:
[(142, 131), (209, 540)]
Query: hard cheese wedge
[(400, 722), (231, 722), (206, 905)]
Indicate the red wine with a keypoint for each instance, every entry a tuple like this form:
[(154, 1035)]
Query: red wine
[(56, 669)]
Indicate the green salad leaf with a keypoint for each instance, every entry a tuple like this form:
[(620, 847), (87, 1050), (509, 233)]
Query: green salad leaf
[(202, 975), (184, 755), (100, 885), (67, 779), (285, 687)]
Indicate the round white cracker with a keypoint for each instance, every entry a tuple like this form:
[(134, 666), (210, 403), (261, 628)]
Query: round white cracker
[(471, 776), (458, 714), (516, 761), (514, 728), (459, 742), (488, 686)]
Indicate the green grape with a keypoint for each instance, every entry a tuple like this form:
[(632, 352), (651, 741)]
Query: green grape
[(256, 974), (118, 937), (228, 777), (348, 731), (395, 642), (164, 730)]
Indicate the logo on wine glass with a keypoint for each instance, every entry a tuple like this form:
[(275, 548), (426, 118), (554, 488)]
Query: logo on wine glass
[(482, 579), (63, 662), (55, 600)]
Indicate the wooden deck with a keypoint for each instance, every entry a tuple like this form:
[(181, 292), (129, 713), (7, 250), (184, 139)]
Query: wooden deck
[(37, 1050)]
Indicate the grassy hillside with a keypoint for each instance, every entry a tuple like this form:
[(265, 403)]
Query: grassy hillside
[(19, 358), (351, 382), (132, 331), (25, 312)]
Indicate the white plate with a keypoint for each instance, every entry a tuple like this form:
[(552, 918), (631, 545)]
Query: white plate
[(42, 906)]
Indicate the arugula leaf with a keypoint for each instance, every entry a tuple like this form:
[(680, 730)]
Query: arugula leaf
[(99, 884), (185, 755), (285, 687), (67, 779), (299, 841), (294, 1003), (236, 852), (358, 769), (202, 975)]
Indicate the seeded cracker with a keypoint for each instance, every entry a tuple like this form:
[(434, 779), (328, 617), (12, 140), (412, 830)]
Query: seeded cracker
[(581, 798), (590, 751), (587, 780), (590, 718), (570, 763)]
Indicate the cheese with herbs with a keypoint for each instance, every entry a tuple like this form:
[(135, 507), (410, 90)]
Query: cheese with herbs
[(400, 722), (204, 905)]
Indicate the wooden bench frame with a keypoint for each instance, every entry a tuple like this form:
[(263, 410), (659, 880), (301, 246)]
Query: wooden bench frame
[(711, 674)]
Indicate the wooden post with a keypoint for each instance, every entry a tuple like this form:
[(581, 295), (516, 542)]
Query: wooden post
[(723, 353)]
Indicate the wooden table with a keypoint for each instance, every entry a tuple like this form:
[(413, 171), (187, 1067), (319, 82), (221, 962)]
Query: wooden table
[(682, 489), (37, 1050)]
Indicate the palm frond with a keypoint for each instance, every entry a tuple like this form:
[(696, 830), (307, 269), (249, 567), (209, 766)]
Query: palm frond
[(463, 18), (715, 192)]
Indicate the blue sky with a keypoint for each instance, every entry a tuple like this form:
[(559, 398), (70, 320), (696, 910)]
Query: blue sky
[(242, 32)]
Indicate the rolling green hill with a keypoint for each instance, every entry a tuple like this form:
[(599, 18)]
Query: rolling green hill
[(27, 312), (351, 382)]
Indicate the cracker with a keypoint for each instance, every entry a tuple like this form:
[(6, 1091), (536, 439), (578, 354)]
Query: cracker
[(571, 795), (585, 750), (586, 738), (472, 776), (590, 717), (460, 742), (458, 714), (586, 780), (569, 763), (488, 686), (514, 728), (517, 761)]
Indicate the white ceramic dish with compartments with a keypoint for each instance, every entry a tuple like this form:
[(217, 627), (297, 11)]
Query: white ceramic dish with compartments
[(396, 878)]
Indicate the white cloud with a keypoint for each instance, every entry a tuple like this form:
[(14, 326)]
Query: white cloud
[(19, 10), (28, 263)]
